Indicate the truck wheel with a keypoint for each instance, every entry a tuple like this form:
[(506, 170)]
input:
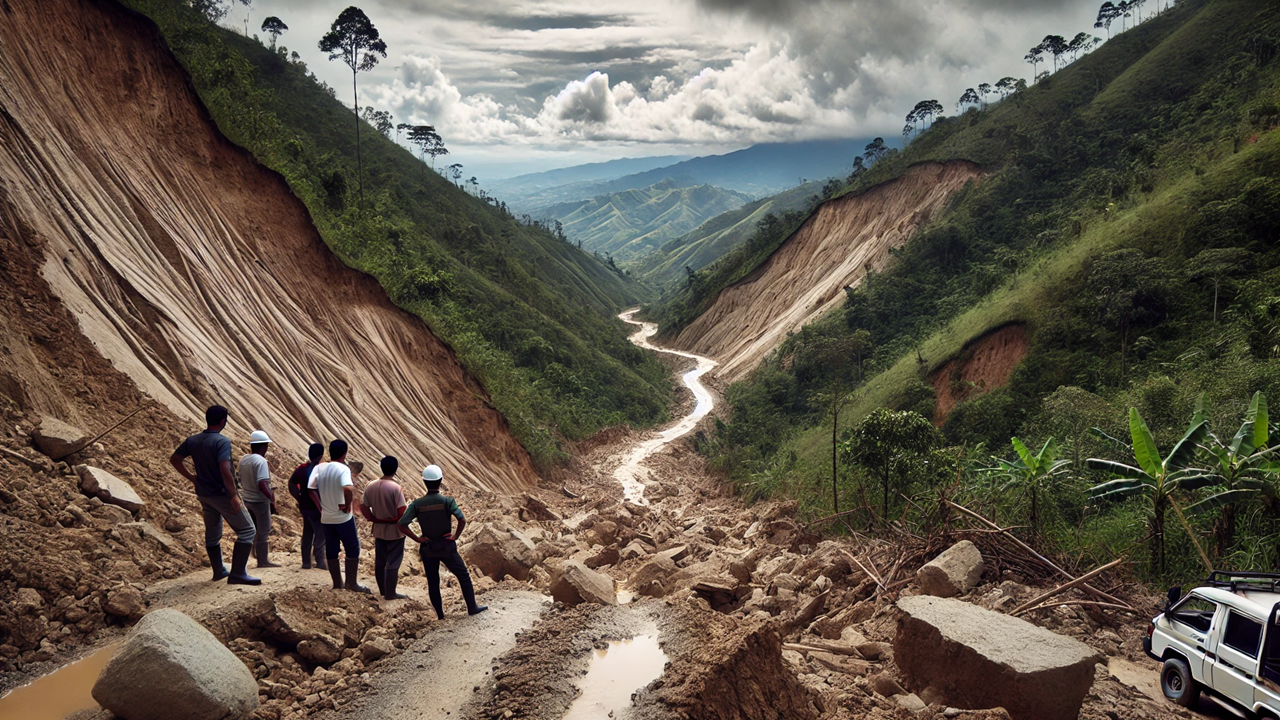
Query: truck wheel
[(1177, 683)]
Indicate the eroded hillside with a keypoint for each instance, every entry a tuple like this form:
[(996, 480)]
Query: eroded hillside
[(805, 278), (195, 271)]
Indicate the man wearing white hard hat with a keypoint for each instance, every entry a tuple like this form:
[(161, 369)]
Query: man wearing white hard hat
[(255, 491), (434, 513)]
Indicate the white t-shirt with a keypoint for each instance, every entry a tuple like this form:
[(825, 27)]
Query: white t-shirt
[(328, 480), (252, 469)]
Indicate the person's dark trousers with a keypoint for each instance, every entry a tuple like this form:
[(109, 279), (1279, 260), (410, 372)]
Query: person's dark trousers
[(453, 561), (312, 540), (261, 514), (215, 509), (342, 538), (387, 558)]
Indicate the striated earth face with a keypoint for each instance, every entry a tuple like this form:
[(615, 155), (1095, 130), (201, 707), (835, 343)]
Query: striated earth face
[(985, 364), (196, 273), (806, 277)]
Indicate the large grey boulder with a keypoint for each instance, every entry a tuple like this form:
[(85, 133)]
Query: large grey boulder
[(976, 658), (576, 583), (171, 668), (956, 571), (108, 488), (500, 553), (58, 439)]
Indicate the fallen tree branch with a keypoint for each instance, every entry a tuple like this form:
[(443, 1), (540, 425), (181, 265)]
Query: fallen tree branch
[(874, 577), (1066, 586), (815, 646), (1087, 588), (80, 446), (34, 464), (832, 517), (1087, 603)]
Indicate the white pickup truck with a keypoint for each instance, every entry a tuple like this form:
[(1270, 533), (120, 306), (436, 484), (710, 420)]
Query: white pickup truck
[(1223, 640)]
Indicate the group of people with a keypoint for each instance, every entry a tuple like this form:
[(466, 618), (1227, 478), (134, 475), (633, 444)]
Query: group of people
[(326, 497)]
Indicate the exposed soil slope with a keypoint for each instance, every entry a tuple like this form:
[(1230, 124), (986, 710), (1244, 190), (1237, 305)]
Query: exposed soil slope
[(194, 271), (805, 277), (985, 364)]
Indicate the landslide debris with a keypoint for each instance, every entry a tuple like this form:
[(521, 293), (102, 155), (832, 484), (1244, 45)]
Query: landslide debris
[(806, 276)]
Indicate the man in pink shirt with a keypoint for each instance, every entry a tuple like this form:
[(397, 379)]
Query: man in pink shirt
[(383, 504)]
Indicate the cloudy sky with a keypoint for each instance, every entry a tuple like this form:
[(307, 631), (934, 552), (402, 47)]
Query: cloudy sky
[(519, 85)]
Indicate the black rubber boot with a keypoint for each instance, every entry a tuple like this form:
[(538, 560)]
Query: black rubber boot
[(469, 593), (262, 555), (321, 564), (240, 559), (215, 562), (335, 572), (389, 586), (353, 569)]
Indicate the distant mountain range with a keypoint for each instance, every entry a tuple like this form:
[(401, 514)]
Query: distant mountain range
[(758, 171), (717, 236), (633, 222)]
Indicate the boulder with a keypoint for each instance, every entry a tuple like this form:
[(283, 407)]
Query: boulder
[(376, 649), (108, 488), (499, 553), (57, 439), (321, 649), (112, 514), (976, 658), (954, 572), (127, 603), (199, 677), (577, 583), (147, 531), (601, 557), (651, 577), (538, 510)]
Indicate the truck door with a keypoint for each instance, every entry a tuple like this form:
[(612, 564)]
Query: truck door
[(1236, 657), (1191, 621), (1267, 690)]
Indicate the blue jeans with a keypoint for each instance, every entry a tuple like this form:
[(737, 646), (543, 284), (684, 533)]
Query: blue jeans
[(344, 533)]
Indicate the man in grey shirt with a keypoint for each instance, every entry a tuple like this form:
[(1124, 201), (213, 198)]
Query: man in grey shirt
[(210, 453), (255, 490)]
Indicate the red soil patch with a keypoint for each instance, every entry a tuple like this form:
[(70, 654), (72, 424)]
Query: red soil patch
[(984, 365)]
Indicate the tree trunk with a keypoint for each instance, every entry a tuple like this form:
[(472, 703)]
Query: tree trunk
[(835, 422), (885, 513), (1226, 530), (1215, 301), (1157, 539), (355, 103), (1035, 514)]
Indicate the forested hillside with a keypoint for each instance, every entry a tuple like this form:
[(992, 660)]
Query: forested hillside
[(630, 224), (712, 239), (1120, 252), (530, 315)]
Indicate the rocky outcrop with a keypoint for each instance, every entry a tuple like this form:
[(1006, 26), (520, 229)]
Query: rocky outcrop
[(171, 668), (956, 571), (976, 658), (58, 439), (108, 488), (576, 584)]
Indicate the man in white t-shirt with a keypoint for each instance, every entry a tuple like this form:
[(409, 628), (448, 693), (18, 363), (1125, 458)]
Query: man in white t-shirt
[(333, 492), (255, 490)]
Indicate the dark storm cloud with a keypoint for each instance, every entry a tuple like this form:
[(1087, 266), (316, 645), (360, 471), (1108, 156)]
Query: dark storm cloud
[(551, 22)]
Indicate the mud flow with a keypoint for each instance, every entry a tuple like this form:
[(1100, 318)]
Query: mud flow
[(615, 674), (630, 473), (58, 694)]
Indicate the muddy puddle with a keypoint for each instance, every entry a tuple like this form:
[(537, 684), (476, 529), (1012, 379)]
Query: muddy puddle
[(631, 473), (58, 694), (615, 674)]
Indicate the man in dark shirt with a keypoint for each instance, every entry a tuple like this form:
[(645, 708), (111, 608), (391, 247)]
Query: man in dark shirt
[(312, 534), (216, 489), (434, 513)]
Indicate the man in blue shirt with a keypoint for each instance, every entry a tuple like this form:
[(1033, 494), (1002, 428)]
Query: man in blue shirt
[(216, 489)]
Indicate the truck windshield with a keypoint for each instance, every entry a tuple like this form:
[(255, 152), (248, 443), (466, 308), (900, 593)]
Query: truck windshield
[(1195, 612)]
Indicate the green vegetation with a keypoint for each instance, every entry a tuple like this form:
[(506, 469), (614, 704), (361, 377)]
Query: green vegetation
[(631, 223), (528, 314), (1128, 221), (673, 261)]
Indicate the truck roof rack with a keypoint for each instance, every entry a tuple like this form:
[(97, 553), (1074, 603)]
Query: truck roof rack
[(1235, 581)]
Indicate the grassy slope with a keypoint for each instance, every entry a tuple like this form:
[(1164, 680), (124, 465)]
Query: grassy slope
[(529, 315), (717, 236), (631, 223), (1161, 141)]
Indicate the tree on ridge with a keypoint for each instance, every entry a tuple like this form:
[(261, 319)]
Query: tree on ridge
[(353, 39), (274, 27)]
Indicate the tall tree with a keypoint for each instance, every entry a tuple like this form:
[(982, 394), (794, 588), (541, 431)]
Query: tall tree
[(400, 128), (1079, 44), (353, 39), (875, 150), (379, 119), (423, 137), (455, 172), (274, 27), (1217, 264), (1055, 45), (1006, 86), (1106, 15), (1033, 58), (984, 89), (970, 97)]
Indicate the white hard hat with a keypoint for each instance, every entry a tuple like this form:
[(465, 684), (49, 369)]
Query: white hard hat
[(432, 473), (258, 436)]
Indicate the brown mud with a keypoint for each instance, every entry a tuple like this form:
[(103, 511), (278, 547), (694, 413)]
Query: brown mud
[(985, 364)]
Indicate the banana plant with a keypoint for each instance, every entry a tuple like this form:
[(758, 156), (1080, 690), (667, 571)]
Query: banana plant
[(1031, 474), (1245, 467), (1154, 478)]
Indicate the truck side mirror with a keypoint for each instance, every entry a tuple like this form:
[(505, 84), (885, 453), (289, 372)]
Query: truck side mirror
[(1175, 594)]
